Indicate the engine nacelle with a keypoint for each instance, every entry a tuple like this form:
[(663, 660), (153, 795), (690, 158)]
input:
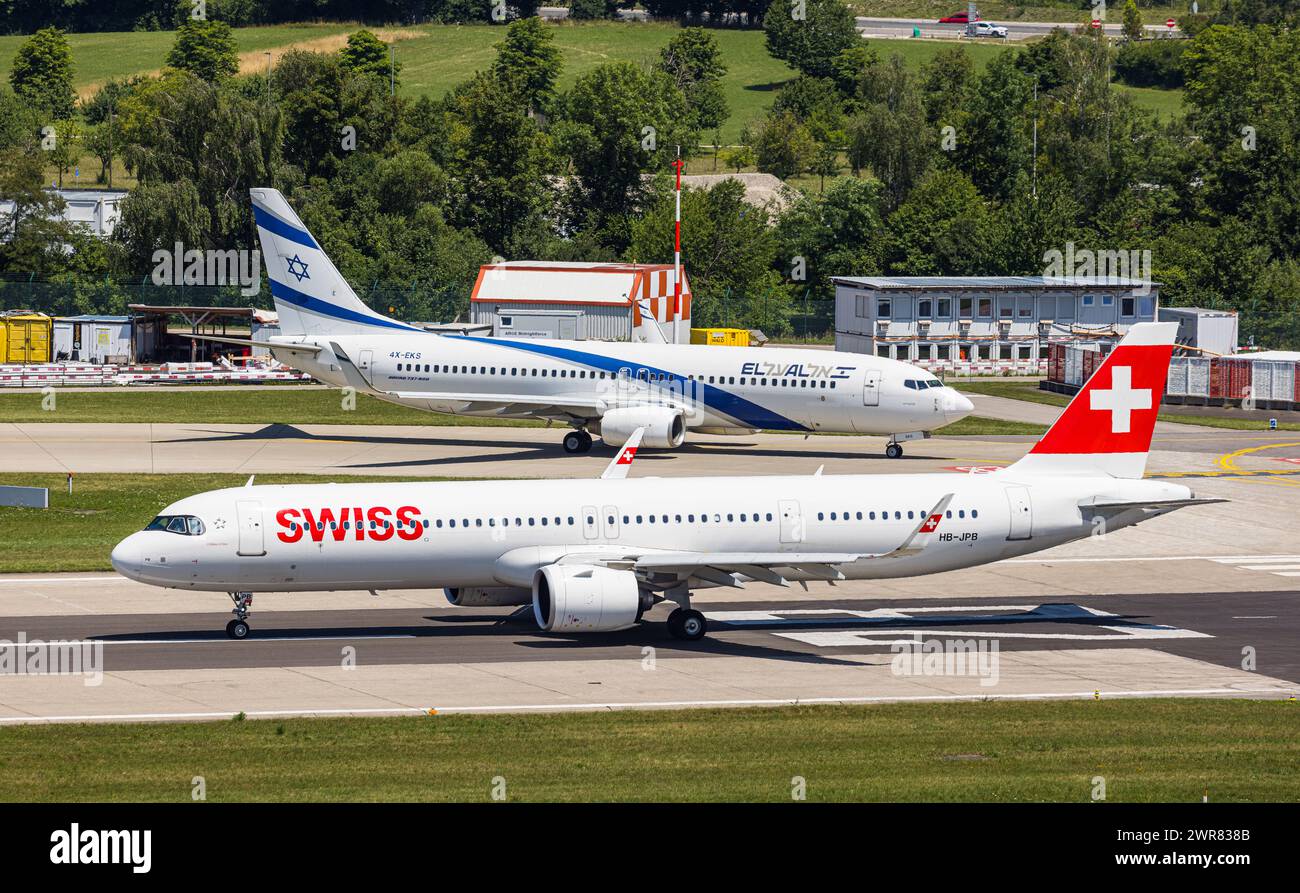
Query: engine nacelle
[(665, 427), (585, 598), (488, 596)]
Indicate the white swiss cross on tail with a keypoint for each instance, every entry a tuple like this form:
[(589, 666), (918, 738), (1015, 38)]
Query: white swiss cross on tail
[(1107, 428), (1121, 399)]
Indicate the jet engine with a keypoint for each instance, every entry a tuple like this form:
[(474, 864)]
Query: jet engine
[(665, 427), (488, 596), (585, 598)]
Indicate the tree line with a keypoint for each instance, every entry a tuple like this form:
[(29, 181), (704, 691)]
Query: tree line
[(938, 170)]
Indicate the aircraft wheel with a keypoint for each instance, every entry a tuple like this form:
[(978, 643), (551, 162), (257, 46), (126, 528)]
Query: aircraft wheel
[(577, 442), (687, 624), (237, 629), (893, 451)]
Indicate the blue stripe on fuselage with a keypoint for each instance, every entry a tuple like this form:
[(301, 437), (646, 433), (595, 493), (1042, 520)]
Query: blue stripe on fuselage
[(746, 412), (282, 292)]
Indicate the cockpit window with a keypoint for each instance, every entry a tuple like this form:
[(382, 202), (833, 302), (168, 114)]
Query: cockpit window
[(185, 525)]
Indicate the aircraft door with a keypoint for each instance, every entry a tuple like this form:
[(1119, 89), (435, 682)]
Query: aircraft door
[(365, 362), (871, 388), (792, 530), (590, 522), (251, 534), (609, 521), (1022, 514)]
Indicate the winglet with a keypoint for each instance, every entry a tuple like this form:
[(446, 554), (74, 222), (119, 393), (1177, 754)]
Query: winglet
[(919, 538), (250, 480), (650, 329), (621, 464)]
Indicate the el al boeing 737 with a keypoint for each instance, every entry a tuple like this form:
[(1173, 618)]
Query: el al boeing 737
[(606, 388)]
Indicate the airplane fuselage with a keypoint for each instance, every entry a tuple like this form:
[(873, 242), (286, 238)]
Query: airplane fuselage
[(722, 390), (499, 533)]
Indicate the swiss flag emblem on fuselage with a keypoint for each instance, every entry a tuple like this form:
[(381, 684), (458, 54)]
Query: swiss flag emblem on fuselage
[(1115, 412)]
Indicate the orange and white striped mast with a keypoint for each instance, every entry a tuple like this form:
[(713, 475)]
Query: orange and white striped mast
[(677, 255)]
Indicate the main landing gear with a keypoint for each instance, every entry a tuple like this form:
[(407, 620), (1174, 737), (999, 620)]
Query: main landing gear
[(238, 628), (893, 451), (577, 441), (685, 622)]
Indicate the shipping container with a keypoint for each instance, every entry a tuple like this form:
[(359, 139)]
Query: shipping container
[(1230, 379), (721, 337), (1273, 380), (1056, 363), (26, 338)]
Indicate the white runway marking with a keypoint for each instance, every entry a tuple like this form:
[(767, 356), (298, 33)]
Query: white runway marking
[(975, 614), (643, 705), (1277, 565), (261, 638)]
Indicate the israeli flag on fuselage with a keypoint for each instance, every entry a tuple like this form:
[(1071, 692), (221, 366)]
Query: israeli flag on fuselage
[(311, 297)]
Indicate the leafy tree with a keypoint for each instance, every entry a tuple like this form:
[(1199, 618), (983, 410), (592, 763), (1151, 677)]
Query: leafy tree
[(782, 146), (740, 158), (528, 60), (617, 123), (694, 63), (198, 149), (810, 34), (368, 55), (589, 10), (890, 135), (104, 140), (942, 228), (825, 163), (501, 166), (994, 144), (65, 153), (946, 82), (835, 233), (816, 104), (206, 49), (42, 73), (1133, 29)]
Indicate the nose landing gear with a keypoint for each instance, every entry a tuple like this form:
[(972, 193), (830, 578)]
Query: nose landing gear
[(238, 628), (577, 441)]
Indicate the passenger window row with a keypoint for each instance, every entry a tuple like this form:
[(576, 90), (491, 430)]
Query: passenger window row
[(898, 515), (517, 372)]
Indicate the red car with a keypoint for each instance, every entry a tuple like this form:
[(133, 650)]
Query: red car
[(957, 18)]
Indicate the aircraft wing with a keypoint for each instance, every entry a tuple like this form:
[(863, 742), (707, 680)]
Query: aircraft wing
[(505, 404), (1153, 504), (737, 568)]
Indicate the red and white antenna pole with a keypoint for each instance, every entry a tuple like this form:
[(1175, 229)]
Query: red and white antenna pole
[(677, 255)]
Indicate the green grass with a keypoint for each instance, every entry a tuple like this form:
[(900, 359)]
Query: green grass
[(1029, 391), (100, 56), (974, 426), (1147, 750), (102, 509), (1165, 103), (264, 406)]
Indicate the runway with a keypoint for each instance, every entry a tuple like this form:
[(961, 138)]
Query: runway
[(415, 451), (1201, 602)]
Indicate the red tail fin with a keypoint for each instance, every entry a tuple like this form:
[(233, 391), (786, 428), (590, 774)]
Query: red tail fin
[(1107, 427)]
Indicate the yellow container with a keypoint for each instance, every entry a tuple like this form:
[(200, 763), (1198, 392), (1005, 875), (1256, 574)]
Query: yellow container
[(721, 337), (25, 337)]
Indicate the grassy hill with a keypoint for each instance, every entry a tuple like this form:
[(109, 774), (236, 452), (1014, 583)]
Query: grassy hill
[(436, 57)]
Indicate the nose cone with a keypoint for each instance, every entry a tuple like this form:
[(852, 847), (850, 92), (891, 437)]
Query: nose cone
[(127, 557), (956, 406)]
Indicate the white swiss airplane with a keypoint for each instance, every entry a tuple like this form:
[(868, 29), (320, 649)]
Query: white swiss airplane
[(594, 555), (611, 389)]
